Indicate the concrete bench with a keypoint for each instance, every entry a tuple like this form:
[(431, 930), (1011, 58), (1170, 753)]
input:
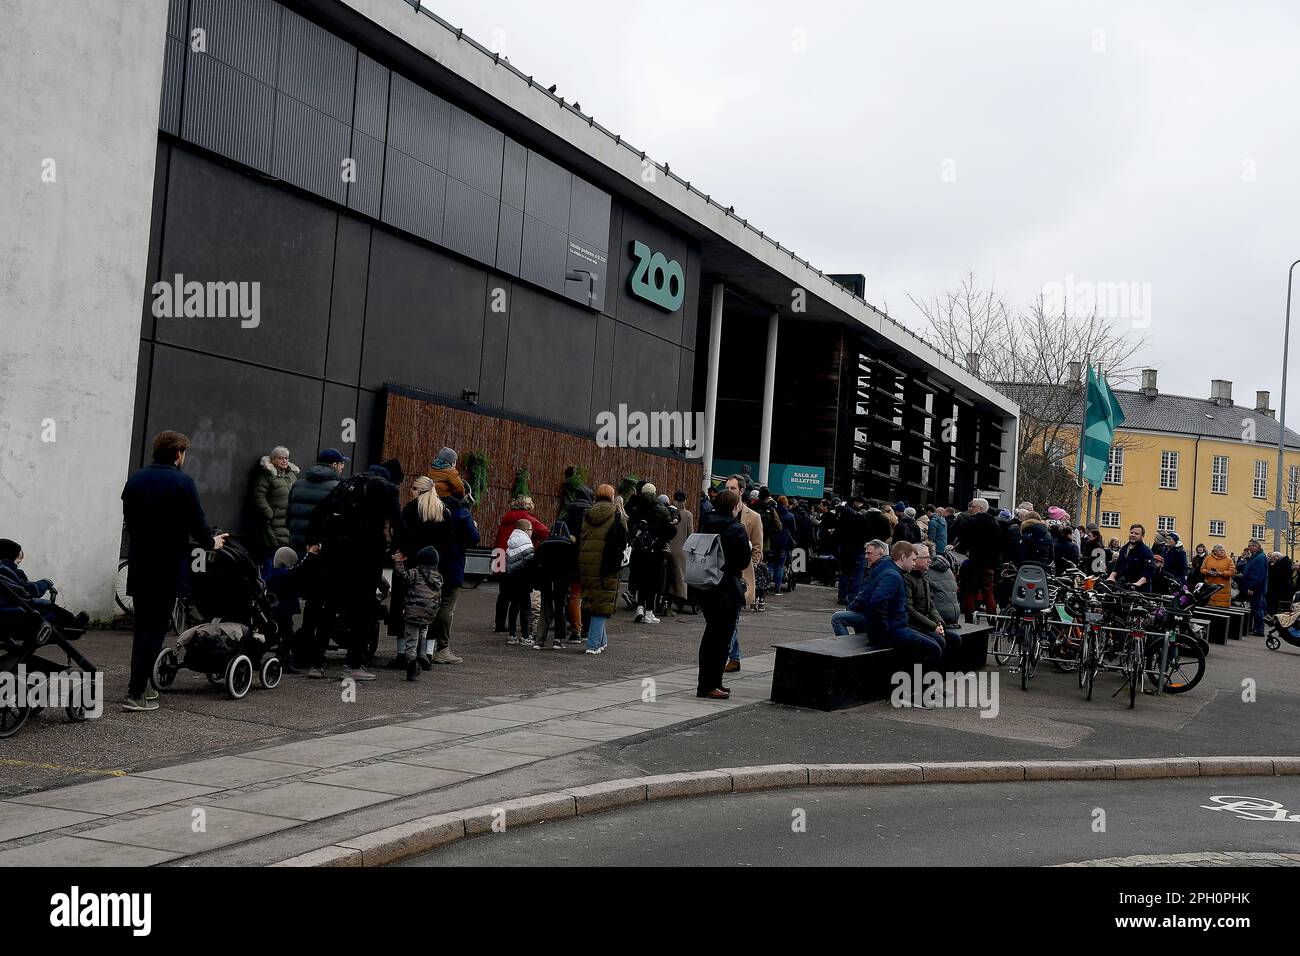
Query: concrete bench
[(832, 673), (1216, 623), (1241, 621), (478, 566)]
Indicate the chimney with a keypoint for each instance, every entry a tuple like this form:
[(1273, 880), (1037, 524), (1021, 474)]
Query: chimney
[(1074, 373), (1221, 393), (1149, 383), (1261, 404), (973, 363)]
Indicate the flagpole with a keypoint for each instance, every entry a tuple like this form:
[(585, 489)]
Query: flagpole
[(1083, 421)]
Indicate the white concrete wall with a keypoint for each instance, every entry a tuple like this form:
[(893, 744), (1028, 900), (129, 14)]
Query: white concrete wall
[(82, 81)]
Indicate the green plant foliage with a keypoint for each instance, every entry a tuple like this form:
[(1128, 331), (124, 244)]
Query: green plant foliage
[(520, 487), (476, 466)]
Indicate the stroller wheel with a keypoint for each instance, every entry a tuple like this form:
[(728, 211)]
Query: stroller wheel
[(165, 669), (76, 712), (12, 720), (272, 671), (1272, 643), (239, 677), (216, 678)]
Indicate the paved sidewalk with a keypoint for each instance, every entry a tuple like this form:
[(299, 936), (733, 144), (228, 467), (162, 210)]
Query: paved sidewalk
[(172, 813)]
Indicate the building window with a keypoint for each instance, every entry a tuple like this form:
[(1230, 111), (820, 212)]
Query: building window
[(1165, 523), (1219, 475), (1257, 531), (1292, 482), (1115, 471), (1110, 519), (1261, 479), (1217, 529), (1169, 470)]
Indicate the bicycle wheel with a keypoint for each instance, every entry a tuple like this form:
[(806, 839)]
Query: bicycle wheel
[(1135, 670), (1185, 667), (1023, 640), (1085, 656), (1004, 644), (123, 600)]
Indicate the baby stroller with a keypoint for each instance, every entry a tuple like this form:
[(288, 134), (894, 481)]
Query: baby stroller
[(24, 631), (238, 635), (763, 582), (1285, 626)]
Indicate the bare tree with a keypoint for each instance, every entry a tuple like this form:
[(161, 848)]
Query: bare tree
[(1029, 356)]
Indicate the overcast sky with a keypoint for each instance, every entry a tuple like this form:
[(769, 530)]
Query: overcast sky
[(1031, 142)]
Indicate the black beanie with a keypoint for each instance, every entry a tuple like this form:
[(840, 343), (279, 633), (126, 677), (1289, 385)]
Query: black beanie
[(9, 550)]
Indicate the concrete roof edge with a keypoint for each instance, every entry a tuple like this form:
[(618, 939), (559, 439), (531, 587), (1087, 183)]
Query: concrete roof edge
[(459, 54)]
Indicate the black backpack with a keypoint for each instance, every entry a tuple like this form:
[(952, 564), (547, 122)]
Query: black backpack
[(344, 512)]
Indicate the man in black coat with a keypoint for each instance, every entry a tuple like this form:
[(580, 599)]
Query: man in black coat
[(722, 603), (980, 539), (851, 538), (314, 487), (161, 506)]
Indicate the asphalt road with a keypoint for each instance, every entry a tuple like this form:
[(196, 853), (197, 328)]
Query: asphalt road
[(1020, 824)]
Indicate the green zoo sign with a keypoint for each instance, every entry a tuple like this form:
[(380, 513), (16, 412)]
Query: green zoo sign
[(656, 278)]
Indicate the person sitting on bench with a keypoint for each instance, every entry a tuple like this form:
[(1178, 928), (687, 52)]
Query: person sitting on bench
[(884, 601), (854, 615), (921, 613)]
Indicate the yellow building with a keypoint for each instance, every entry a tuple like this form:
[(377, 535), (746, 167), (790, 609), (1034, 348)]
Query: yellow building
[(1203, 467)]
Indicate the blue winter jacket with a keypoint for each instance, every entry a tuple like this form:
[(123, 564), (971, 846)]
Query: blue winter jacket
[(1136, 561), (452, 536), (1255, 576), (882, 600), (937, 532)]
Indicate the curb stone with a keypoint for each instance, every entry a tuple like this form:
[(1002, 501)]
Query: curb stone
[(395, 843)]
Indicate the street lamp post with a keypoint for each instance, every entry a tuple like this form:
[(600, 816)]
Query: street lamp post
[(1281, 413)]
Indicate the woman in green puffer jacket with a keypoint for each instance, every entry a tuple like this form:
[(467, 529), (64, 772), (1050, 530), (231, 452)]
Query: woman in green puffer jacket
[(275, 475), (600, 558)]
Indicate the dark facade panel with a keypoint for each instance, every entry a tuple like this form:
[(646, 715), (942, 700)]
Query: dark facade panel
[(602, 382), (514, 174), (316, 67), (249, 411), (223, 226), (589, 215), (228, 112), (544, 255), (496, 338), (365, 193), (169, 109), (510, 240), (685, 384), (338, 420), (646, 371), (583, 261), (418, 122), (244, 34), (424, 318), (309, 149), (370, 112), (636, 311), (158, 208), (348, 301), (474, 156), (141, 444), (414, 195), (470, 222), (546, 335), (177, 11), (695, 294), (549, 188)]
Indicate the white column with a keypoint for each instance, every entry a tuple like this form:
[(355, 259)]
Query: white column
[(769, 388), (711, 383)]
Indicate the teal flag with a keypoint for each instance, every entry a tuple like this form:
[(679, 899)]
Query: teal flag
[(1101, 417)]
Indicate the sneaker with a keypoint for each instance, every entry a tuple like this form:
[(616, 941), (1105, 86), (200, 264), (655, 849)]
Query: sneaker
[(595, 651), (559, 646), (315, 673), (732, 667), (650, 618), (360, 673), (445, 656), (512, 639), (640, 614), (150, 693), (528, 642), (139, 703)]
